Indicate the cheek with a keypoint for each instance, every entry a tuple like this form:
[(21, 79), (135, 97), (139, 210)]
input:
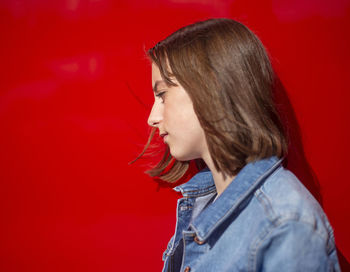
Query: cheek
[(175, 116), (192, 132)]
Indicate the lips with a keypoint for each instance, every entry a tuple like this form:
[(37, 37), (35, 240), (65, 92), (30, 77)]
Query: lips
[(163, 134)]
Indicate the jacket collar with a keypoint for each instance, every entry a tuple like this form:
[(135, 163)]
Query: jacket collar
[(242, 187), (200, 184)]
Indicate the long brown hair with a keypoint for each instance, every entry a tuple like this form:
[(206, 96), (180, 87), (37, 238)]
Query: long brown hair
[(225, 70)]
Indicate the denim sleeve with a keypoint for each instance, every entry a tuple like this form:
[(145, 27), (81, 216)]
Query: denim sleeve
[(295, 246)]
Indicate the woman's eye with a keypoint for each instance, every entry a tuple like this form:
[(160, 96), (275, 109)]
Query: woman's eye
[(161, 95)]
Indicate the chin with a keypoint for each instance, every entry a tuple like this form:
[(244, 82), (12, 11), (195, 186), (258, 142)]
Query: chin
[(183, 157), (178, 157)]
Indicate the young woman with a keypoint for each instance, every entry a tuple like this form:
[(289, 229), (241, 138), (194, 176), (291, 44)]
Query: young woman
[(243, 211)]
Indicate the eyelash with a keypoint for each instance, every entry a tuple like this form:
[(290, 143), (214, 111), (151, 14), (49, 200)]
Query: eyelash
[(161, 95)]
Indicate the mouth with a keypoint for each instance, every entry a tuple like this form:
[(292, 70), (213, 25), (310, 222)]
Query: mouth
[(163, 134)]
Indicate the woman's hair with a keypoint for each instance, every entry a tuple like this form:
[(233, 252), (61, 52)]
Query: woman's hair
[(226, 72)]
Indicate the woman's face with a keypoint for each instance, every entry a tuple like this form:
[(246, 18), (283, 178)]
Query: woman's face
[(172, 113)]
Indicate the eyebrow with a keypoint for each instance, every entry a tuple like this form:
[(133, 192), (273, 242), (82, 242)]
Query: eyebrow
[(156, 85)]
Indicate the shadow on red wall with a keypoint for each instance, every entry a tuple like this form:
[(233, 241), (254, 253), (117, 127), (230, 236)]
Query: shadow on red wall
[(296, 160)]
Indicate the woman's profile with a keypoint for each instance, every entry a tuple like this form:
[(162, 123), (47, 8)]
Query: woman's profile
[(243, 211)]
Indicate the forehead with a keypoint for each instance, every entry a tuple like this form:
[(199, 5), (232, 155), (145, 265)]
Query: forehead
[(156, 76), (157, 81)]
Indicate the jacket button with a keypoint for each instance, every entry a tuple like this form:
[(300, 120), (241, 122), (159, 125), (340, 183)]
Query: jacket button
[(198, 241), (187, 269)]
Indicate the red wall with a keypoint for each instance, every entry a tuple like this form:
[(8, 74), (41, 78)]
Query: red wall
[(75, 93)]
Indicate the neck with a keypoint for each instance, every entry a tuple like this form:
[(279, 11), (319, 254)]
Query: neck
[(220, 181)]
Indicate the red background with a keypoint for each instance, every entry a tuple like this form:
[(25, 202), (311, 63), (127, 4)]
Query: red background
[(75, 93)]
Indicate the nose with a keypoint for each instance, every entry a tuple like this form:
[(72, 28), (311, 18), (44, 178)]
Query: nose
[(155, 116)]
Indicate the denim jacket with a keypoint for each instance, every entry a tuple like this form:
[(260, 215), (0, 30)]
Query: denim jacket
[(265, 220)]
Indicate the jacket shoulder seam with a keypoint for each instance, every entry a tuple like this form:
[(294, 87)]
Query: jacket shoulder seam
[(268, 231)]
